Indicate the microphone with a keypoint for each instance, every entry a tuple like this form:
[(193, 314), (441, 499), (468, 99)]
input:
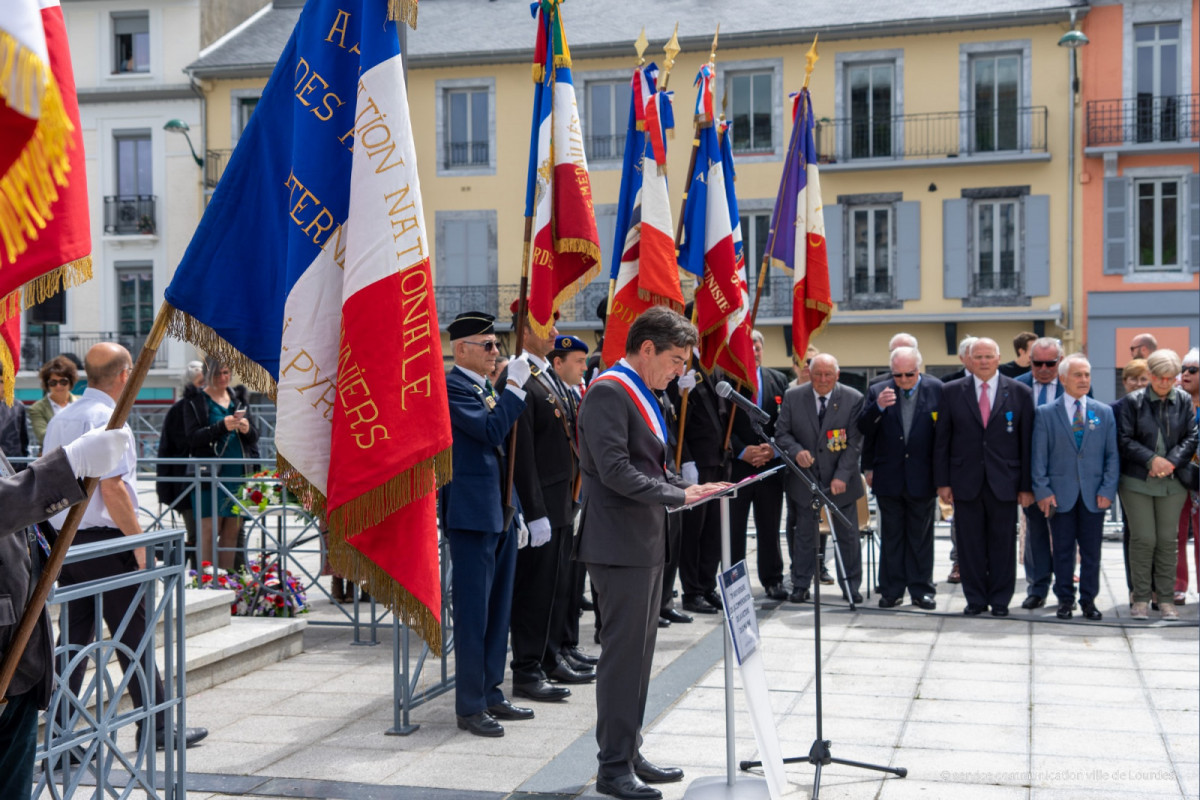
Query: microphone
[(726, 391)]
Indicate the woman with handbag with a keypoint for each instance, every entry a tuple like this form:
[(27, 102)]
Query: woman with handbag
[(1156, 435), (220, 428), (1189, 519)]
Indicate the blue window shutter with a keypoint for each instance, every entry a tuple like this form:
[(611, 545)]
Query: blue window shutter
[(908, 251), (835, 225), (956, 232), (1193, 221), (1037, 245), (1116, 226)]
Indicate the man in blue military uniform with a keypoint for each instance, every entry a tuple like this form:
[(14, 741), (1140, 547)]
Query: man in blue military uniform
[(480, 530)]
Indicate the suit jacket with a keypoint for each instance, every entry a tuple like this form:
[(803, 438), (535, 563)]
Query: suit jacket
[(743, 435), (1075, 474), (32, 495), (626, 488), (546, 465), (1027, 379), (704, 428), (965, 454), (472, 500), (836, 444), (900, 465)]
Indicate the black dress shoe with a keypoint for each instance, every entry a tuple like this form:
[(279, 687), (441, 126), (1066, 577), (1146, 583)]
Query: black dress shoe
[(652, 773), (1091, 612), (799, 596), (1064, 610), (586, 604), (857, 598), (481, 724), (826, 578), (889, 602), (776, 592), (1033, 601), (580, 657), (506, 710), (925, 601), (696, 604), (564, 673), (541, 690), (714, 599), (191, 737), (999, 611), (663, 622), (674, 615), (627, 787), (974, 611)]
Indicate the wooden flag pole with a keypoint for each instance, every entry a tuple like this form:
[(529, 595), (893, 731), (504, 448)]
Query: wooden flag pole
[(698, 124), (41, 592), (519, 323)]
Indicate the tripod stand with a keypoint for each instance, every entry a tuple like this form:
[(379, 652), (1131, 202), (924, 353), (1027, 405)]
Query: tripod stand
[(820, 755)]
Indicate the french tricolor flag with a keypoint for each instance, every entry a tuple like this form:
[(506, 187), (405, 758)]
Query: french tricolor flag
[(310, 274)]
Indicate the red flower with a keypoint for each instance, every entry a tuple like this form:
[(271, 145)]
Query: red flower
[(255, 567), (256, 496), (206, 564), (778, 399), (206, 579)]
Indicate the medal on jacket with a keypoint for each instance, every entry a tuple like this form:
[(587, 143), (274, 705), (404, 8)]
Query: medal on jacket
[(1008, 421), (487, 399), (836, 440)]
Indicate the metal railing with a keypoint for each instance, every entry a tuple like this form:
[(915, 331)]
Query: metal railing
[(496, 299), (39, 346), (80, 745), (606, 148), (941, 134), (1144, 119), (215, 162), (464, 154), (130, 214)]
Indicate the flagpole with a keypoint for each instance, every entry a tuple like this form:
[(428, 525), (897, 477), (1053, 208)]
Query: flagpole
[(518, 347), (41, 592), (698, 124)]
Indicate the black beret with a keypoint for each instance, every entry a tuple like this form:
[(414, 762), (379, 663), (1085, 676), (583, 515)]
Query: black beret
[(471, 323)]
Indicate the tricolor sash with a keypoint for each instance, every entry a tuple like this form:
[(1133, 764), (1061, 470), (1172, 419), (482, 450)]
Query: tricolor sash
[(641, 395)]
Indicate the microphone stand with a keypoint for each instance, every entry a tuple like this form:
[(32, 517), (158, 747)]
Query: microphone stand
[(819, 755)]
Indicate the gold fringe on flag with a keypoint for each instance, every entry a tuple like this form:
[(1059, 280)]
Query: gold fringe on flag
[(10, 373), (352, 565), (43, 287), (299, 487), (660, 300), (576, 286), (403, 11), (373, 507), (184, 326), (28, 188)]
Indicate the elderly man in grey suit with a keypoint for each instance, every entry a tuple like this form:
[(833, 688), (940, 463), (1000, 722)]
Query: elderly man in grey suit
[(623, 536), (818, 427)]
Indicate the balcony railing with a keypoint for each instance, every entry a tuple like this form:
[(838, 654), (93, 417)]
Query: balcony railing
[(606, 148), (466, 154), (942, 134), (38, 347), (496, 299), (1145, 119), (130, 214), (215, 162)]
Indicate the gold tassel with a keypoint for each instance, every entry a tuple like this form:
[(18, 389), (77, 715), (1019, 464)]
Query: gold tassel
[(660, 300), (184, 326), (299, 487), (403, 11), (572, 289), (373, 507), (43, 287), (10, 373)]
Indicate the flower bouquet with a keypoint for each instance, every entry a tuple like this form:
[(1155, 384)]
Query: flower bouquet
[(260, 490), (258, 591)]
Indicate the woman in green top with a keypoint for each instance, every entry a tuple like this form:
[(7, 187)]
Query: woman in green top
[(58, 375)]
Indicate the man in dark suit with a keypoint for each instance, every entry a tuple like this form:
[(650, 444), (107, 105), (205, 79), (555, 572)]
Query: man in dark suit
[(544, 479), (897, 424), (623, 536), (964, 355), (481, 532), (981, 465), (46, 487), (818, 427), (1076, 467), (753, 455), (1044, 357)]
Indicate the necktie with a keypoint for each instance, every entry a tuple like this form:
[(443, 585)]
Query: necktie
[(908, 394), (1077, 424), (985, 405), (821, 413), (487, 387), (1042, 395)]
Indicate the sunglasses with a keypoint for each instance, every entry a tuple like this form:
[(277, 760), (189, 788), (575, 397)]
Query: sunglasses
[(58, 382), (1044, 364), (1191, 370), (487, 346), (904, 374)]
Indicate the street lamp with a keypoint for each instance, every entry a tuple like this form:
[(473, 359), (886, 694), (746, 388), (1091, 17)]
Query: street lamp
[(179, 126), (1072, 40)]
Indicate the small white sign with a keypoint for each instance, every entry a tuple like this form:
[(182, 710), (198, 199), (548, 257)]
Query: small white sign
[(739, 611)]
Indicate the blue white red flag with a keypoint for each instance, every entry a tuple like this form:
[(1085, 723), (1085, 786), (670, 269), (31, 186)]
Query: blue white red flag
[(310, 274), (798, 230), (565, 252), (736, 355), (646, 273)]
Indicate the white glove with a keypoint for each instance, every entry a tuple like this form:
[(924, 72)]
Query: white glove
[(689, 472), (97, 452), (687, 381), (518, 371), (539, 532), (522, 532)]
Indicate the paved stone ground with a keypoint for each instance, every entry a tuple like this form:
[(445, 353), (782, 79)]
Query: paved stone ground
[(983, 708)]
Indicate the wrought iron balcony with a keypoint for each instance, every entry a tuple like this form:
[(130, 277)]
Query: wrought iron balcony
[(497, 299), (1145, 119), (40, 343), (466, 154), (942, 134), (606, 148), (130, 214), (215, 162)]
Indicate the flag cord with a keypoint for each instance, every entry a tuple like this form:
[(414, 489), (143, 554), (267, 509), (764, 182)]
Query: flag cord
[(41, 592)]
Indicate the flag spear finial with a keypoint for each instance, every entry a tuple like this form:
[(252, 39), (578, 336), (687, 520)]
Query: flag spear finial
[(670, 51), (712, 56), (811, 58), (640, 46)]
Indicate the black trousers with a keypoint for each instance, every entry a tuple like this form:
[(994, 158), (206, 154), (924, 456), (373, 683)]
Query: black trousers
[(671, 568), (18, 742), (766, 499), (700, 543), (538, 606), (987, 548), (80, 630), (906, 536)]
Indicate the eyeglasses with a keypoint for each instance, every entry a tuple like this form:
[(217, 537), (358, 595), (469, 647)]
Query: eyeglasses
[(1191, 370), (904, 374), (487, 346), (58, 382), (1044, 364)]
